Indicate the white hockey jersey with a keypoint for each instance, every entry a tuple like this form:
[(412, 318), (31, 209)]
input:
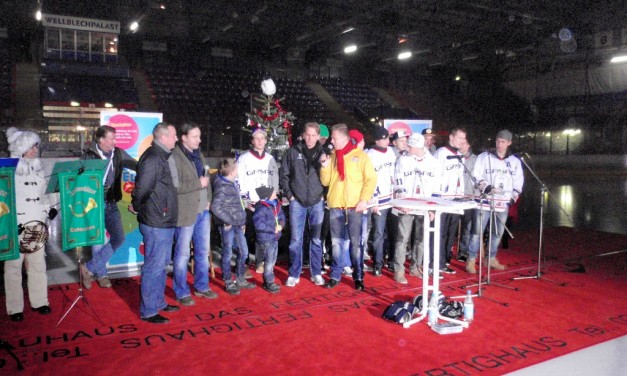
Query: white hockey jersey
[(254, 172), (383, 163), (416, 178), (451, 172), (504, 175)]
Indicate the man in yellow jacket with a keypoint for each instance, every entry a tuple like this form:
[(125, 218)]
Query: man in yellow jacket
[(351, 179)]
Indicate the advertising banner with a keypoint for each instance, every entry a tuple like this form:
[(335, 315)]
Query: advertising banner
[(133, 134), (9, 245)]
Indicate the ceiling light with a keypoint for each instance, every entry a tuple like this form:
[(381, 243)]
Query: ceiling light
[(162, 6), (348, 30), (38, 15), (134, 26), (458, 77), (404, 55), (350, 49), (619, 59), (74, 104), (108, 105)]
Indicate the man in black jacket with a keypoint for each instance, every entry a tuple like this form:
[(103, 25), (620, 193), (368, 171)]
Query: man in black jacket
[(156, 203), (300, 182), (103, 147)]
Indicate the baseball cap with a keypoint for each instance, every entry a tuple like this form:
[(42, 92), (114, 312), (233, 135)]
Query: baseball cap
[(356, 135), (398, 134), (416, 140), (504, 135), (380, 133)]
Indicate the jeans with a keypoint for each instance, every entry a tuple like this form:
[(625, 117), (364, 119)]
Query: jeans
[(270, 251), (408, 223), (157, 243), (100, 254), (234, 233), (299, 215), (340, 221), (198, 233), (481, 222), (378, 221), (467, 227)]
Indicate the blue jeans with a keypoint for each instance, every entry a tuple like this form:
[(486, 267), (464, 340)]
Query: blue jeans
[(270, 251), (378, 221), (481, 223), (199, 234), (340, 221), (100, 254), (299, 215), (234, 233), (157, 243)]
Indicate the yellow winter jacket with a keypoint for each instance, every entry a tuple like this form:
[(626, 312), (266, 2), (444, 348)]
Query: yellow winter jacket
[(359, 184)]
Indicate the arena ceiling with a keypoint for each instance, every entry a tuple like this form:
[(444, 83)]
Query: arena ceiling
[(447, 32)]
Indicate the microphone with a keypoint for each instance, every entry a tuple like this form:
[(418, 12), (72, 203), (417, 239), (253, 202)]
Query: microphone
[(458, 157)]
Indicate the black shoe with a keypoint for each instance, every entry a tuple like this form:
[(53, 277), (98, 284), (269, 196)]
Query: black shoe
[(359, 285), (271, 287), (377, 271), (332, 283), (462, 258), (448, 270), (43, 310), (17, 317), (156, 319), (391, 266), (170, 308)]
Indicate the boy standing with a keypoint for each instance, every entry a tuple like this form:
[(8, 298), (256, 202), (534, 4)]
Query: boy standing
[(229, 212), (269, 221)]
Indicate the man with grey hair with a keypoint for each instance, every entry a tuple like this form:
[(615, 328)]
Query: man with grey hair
[(155, 201)]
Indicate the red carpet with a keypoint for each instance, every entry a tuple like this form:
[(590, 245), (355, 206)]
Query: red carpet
[(309, 330)]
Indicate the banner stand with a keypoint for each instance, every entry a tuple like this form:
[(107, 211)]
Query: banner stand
[(75, 171)]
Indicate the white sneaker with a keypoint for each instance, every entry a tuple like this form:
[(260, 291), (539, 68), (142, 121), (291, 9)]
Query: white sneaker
[(318, 280), (348, 270), (291, 281)]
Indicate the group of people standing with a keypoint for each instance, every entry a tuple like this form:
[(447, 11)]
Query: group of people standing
[(330, 182)]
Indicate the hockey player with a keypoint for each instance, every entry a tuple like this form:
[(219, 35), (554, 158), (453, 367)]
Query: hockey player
[(416, 176), (500, 178)]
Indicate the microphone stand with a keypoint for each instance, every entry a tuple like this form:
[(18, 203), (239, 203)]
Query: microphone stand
[(543, 190)]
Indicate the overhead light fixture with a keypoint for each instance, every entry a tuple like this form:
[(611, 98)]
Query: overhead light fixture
[(619, 59), (458, 77), (469, 57), (404, 55), (350, 49), (134, 26), (348, 30), (402, 39), (74, 104), (108, 105), (38, 15)]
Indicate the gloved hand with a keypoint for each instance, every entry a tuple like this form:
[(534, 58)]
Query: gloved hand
[(52, 213)]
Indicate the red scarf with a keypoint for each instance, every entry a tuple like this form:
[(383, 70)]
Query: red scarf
[(339, 156)]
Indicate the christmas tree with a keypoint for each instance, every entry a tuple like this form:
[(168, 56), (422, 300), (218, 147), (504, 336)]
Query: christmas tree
[(268, 114)]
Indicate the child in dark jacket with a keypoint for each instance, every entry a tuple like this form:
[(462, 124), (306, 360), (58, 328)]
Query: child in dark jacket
[(269, 221), (230, 216)]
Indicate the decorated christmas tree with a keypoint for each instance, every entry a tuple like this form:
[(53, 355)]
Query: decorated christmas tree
[(268, 114)]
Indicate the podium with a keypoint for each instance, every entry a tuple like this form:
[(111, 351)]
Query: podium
[(420, 206)]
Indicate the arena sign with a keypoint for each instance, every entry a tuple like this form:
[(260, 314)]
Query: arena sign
[(80, 23)]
